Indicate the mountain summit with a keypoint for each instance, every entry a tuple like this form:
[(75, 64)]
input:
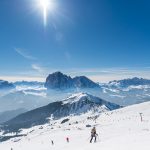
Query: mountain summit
[(59, 80)]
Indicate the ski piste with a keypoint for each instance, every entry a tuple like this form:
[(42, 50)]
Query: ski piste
[(121, 129)]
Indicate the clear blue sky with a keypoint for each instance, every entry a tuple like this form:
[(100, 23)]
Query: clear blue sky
[(97, 38)]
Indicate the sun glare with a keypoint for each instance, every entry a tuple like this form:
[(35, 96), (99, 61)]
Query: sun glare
[(47, 6), (44, 3)]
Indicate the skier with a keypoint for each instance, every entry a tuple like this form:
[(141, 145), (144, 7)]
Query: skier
[(67, 139), (93, 134), (11, 148), (52, 142), (141, 117)]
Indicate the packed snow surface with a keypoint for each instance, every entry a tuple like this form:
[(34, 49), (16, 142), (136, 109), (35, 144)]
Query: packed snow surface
[(121, 129)]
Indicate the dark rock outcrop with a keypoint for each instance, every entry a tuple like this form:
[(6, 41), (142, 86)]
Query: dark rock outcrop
[(59, 80)]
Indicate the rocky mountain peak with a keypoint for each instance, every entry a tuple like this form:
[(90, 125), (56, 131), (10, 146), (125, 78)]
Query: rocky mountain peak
[(59, 80)]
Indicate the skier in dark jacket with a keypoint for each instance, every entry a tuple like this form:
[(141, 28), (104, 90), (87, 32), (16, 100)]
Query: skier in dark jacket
[(52, 142), (93, 134), (67, 139)]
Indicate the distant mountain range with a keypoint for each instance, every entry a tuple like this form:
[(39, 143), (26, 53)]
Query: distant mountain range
[(6, 85), (31, 95), (59, 80), (130, 82), (7, 115), (28, 83), (74, 105)]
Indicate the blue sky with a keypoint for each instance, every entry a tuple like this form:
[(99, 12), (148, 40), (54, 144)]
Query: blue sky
[(103, 39)]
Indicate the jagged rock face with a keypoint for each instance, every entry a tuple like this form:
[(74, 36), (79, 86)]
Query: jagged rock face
[(6, 85), (58, 80), (74, 105), (84, 82)]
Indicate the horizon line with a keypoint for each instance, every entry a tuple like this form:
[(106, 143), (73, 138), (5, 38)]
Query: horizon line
[(95, 78)]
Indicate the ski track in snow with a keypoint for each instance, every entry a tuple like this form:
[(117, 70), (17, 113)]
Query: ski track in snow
[(121, 129)]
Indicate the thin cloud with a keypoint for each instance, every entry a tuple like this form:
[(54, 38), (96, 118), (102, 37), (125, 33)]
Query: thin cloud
[(24, 54), (38, 68)]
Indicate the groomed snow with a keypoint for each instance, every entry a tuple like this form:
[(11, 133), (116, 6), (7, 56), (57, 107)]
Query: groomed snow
[(121, 129)]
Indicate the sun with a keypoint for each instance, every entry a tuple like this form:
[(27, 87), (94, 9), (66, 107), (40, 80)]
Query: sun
[(44, 3), (47, 6)]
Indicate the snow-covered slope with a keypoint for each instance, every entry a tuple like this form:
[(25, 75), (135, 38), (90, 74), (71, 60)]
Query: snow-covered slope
[(75, 105), (121, 129)]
